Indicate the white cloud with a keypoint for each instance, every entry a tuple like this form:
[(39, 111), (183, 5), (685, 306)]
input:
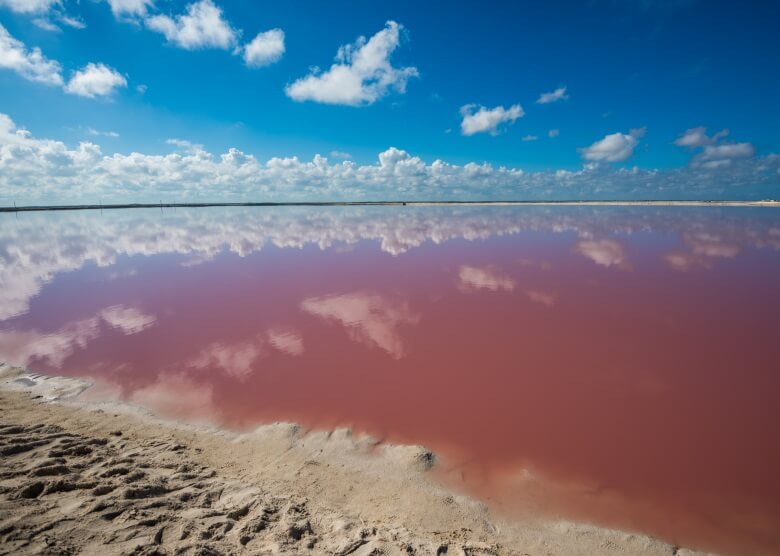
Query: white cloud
[(185, 145), (697, 137), (94, 132), (553, 133), (123, 8), (340, 154), (615, 147), (713, 155), (265, 49), (46, 25), (48, 11), (202, 26), (361, 75), (528, 138), (30, 64), (30, 6), (95, 80), (719, 156), (554, 96), (72, 22), (478, 119), (40, 170)]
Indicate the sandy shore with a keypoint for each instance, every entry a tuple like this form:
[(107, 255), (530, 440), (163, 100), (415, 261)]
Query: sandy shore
[(89, 478)]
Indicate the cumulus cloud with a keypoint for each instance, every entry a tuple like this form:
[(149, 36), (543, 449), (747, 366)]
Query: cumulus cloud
[(202, 26), (719, 156), (361, 75), (265, 49), (478, 119), (615, 147), (713, 154), (697, 137), (125, 8), (554, 96), (30, 6), (95, 80), (31, 64), (553, 133), (40, 170), (528, 138)]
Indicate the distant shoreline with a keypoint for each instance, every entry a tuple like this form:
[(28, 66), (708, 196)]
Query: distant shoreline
[(35, 208)]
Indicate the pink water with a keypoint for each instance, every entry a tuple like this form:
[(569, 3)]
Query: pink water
[(625, 358)]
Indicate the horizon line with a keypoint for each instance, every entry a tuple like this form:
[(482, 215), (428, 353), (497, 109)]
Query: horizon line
[(161, 205)]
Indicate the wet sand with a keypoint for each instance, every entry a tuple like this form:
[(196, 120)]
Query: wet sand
[(109, 478)]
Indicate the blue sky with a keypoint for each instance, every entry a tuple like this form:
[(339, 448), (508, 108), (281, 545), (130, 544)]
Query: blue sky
[(631, 77)]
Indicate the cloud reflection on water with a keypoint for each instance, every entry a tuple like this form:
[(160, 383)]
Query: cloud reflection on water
[(21, 347), (36, 247), (370, 319), (528, 369), (474, 278)]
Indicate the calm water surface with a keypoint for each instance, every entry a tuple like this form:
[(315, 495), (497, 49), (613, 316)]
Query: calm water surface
[(617, 365)]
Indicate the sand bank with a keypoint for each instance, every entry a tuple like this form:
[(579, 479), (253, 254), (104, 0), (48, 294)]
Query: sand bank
[(109, 478)]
